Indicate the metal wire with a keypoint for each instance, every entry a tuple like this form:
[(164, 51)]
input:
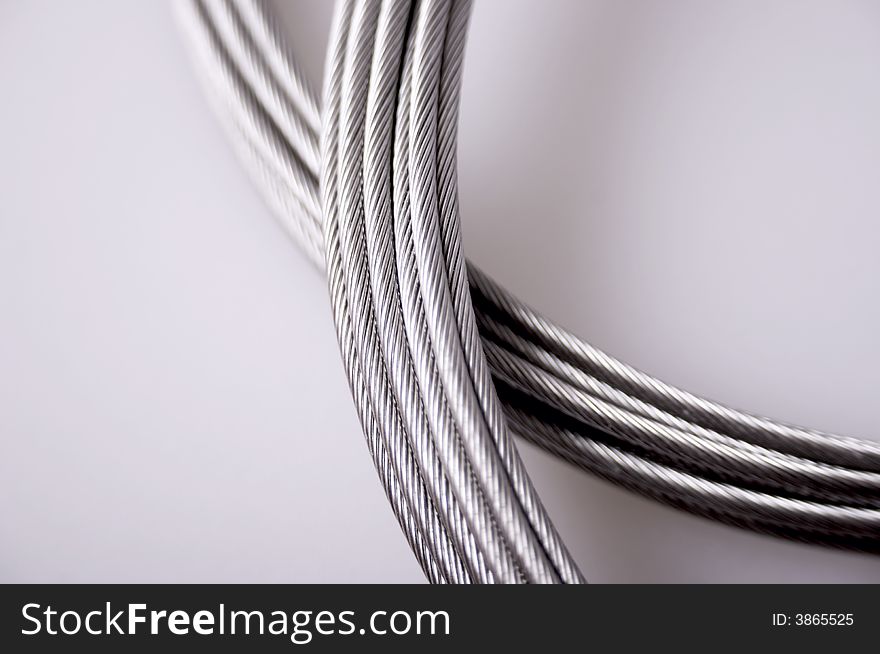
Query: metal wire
[(458, 429), (421, 329)]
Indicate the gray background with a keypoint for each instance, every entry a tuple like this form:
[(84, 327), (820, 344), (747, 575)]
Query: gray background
[(693, 186)]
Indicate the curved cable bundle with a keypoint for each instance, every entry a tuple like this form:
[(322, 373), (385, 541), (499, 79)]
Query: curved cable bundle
[(407, 308), (420, 384)]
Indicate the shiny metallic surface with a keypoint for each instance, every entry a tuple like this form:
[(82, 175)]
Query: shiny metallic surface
[(383, 220)]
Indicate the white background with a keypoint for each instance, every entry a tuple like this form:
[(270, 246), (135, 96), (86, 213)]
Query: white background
[(692, 186)]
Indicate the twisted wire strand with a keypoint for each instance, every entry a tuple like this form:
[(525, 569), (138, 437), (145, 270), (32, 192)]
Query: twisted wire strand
[(795, 519), (496, 526), (377, 221), (648, 429), (428, 386), (554, 383), (444, 284), (375, 404), (470, 335), (820, 446)]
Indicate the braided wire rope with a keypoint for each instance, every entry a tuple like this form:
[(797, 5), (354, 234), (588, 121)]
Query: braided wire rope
[(464, 425), (424, 333)]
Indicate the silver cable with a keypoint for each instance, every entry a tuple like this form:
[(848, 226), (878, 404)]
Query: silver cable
[(456, 434), (356, 328), (559, 389), (859, 454)]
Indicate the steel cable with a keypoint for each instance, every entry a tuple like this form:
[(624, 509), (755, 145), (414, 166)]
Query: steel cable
[(457, 431), (408, 307)]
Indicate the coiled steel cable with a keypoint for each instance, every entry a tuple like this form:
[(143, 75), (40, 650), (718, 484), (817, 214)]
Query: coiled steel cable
[(559, 390), (458, 432), (356, 329)]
